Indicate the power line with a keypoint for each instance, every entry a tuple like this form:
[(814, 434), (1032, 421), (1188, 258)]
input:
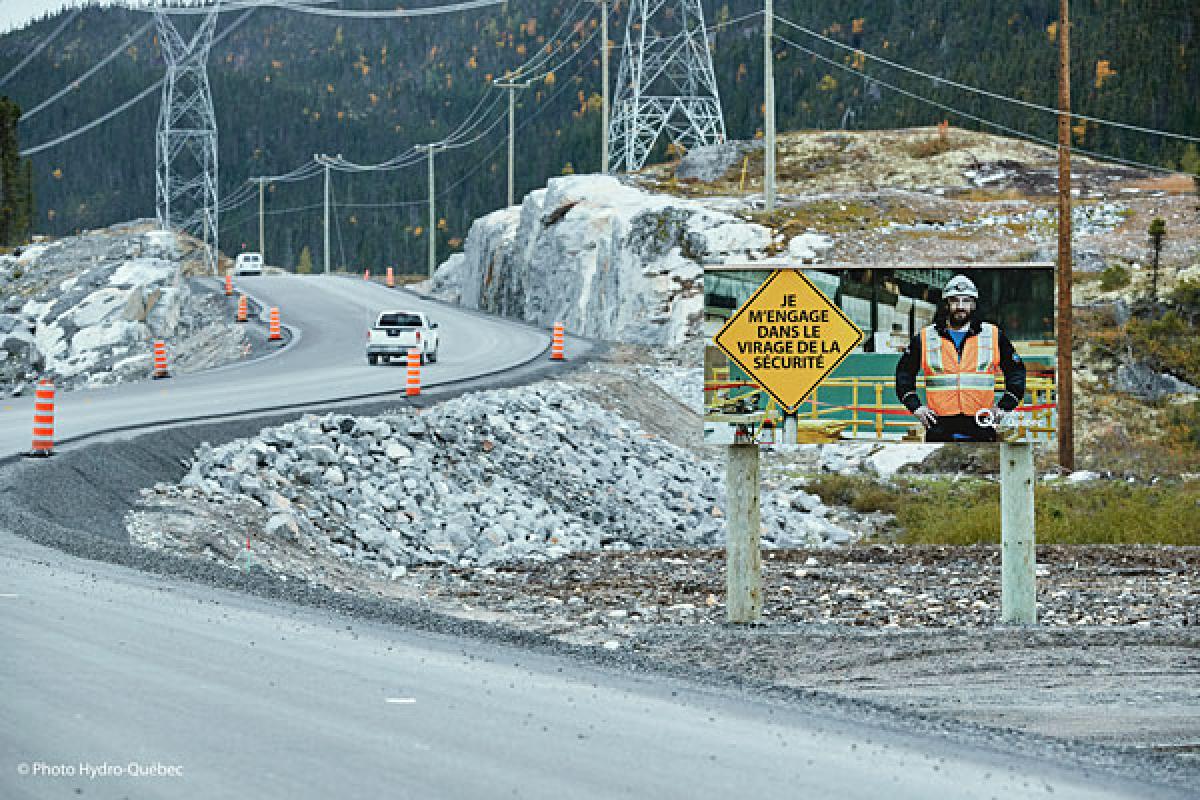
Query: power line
[(41, 46), (75, 84), (226, 5), (528, 120), (966, 115), (545, 52), (398, 13), (129, 103), (79, 131), (575, 54), (985, 92)]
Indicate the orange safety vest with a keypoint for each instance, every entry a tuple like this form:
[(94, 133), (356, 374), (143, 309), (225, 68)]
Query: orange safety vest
[(960, 386)]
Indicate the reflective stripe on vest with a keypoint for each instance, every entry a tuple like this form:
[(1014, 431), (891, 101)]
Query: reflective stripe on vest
[(955, 385)]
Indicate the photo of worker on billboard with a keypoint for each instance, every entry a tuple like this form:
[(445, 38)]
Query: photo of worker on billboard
[(961, 353)]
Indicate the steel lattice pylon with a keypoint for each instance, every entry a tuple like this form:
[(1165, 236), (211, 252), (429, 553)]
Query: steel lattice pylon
[(665, 81), (186, 140)]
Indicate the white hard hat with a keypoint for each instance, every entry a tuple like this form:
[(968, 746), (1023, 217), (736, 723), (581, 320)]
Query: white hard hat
[(961, 286)]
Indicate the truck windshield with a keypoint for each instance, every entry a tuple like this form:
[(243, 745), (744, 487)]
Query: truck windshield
[(400, 320)]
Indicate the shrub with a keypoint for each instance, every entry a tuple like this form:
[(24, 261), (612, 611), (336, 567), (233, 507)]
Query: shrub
[(1114, 277)]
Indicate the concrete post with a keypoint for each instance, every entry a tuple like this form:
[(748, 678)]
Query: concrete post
[(1018, 559), (790, 433), (743, 561)]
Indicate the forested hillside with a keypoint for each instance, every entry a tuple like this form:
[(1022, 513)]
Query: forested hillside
[(288, 85)]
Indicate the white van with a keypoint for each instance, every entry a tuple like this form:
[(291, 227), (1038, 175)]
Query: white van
[(248, 264)]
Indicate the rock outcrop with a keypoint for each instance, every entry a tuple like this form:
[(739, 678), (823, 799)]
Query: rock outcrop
[(83, 310), (609, 260)]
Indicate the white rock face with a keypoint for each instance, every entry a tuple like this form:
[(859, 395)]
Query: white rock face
[(610, 261), (83, 310)]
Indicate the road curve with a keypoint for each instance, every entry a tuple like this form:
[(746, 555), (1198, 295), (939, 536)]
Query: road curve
[(325, 362)]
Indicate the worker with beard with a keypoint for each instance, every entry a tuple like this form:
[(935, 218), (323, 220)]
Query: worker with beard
[(960, 357)]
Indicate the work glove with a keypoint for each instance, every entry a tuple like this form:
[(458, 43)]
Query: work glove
[(926, 415)]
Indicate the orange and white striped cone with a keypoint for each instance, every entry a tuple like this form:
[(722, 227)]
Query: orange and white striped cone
[(276, 333), (243, 312), (413, 386), (160, 360), (556, 344), (43, 420), (391, 279), (366, 274), (229, 286)]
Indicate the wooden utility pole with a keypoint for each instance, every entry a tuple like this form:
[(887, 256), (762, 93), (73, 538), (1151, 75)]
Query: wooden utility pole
[(512, 129), (430, 149), (1066, 433), (769, 107), (262, 247)]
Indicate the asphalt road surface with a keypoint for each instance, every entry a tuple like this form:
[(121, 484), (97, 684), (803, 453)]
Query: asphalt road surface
[(109, 674), (326, 360)]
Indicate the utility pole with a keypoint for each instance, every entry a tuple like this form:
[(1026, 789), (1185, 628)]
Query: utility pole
[(604, 85), (1066, 433), (769, 107), (512, 127), (262, 246), (320, 159), (430, 149)]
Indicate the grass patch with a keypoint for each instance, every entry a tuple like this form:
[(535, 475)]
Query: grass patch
[(967, 512), (1171, 343), (1114, 277), (979, 195), (933, 146), (830, 216)]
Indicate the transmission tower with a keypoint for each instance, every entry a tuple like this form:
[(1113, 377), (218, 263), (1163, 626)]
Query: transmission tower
[(665, 82), (186, 141)]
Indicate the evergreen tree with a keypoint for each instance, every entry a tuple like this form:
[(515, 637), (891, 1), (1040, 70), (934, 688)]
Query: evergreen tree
[(305, 266), (11, 198)]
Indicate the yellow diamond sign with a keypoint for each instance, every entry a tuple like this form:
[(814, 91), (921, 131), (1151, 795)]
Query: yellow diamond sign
[(788, 337)]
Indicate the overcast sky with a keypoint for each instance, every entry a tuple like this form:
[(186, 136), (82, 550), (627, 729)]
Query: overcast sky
[(17, 13)]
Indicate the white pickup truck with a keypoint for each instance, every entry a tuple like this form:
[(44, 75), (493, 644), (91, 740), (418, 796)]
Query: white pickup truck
[(397, 332)]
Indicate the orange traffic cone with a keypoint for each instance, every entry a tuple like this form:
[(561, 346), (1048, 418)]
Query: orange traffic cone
[(556, 344), (160, 360), (43, 420), (366, 274), (243, 312), (391, 279), (276, 334), (413, 387), (229, 286)]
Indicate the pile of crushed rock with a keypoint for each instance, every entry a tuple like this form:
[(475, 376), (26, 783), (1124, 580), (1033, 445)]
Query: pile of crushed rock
[(523, 474)]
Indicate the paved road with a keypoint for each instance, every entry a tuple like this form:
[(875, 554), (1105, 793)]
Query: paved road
[(241, 697), (326, 361)]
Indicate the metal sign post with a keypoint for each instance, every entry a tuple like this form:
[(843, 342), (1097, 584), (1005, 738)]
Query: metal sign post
[(1018, 558)]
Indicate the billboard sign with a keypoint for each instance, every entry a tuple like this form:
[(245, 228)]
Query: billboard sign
[(959, 353)]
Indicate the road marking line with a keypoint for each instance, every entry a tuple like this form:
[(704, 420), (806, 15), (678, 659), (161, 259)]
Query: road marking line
[(10, 596), (401, 700)]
